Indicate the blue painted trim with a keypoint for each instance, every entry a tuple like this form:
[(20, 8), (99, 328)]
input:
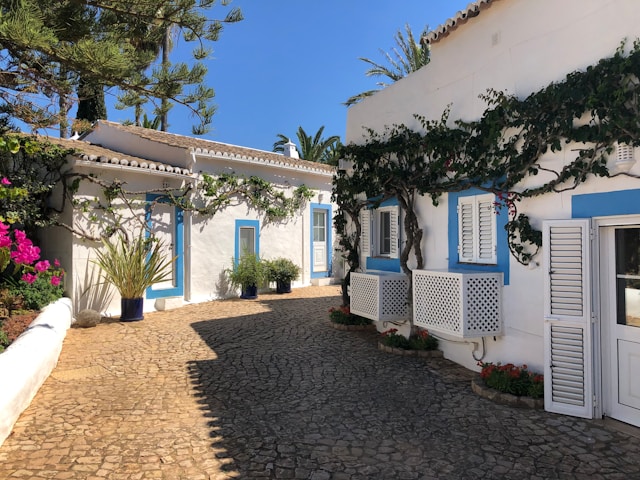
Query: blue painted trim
[(502, 256), (390, 202), (384, 264), (256, 228), (178, 289), (622, 202), (319, 206)]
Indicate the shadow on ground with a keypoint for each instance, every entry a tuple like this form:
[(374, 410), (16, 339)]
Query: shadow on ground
[(289, 397)]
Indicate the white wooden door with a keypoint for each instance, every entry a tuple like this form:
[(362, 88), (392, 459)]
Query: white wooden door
[(620, 291), (319, 240)]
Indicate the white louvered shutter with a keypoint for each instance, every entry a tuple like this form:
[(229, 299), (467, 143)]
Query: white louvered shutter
[(486, 221), (365, 232), (466, 229), (394, 214), (568, 373)]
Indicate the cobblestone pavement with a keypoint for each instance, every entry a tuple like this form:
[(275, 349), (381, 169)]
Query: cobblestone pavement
[(267, 389)]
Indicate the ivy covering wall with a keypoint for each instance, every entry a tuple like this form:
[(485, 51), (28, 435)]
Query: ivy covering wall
[(507, 152)]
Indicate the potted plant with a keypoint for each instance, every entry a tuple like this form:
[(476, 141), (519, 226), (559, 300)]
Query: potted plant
[(248, 273), (282, 271), (132, 267)]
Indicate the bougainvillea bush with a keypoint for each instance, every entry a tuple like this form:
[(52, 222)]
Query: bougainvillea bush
[(419, 340), (513, 379), (343, 316), (27, 282)]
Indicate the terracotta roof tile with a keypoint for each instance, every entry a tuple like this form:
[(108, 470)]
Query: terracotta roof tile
[(209, 147), (460, 18), (88, 152)]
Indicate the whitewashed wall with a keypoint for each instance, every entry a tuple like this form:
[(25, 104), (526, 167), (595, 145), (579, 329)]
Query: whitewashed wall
[(209, 241), (518, 46)]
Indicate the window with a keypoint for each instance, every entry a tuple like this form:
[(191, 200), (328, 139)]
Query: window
[(247, 240), (380, 232), (384, 219), (477, 229)]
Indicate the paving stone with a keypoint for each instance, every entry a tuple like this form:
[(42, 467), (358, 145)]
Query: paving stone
[(267, 389)]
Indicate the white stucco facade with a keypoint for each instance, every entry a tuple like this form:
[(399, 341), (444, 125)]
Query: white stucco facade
[(519, 47), (205, 245)]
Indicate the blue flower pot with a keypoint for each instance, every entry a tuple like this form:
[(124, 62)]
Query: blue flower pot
[(131, 309), (249, 292), (283, 286)]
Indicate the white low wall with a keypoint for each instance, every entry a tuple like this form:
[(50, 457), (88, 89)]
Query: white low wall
[(29, 360)]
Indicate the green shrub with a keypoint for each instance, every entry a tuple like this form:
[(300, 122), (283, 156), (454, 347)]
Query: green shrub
[(420, 340), (4, 339), (281, 270), (36, 295), (343, 316), (512, 379)]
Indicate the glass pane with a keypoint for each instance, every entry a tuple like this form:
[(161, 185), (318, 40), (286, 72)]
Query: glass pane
[(385, 233), (628, 276), (319, 226), (247, 240)]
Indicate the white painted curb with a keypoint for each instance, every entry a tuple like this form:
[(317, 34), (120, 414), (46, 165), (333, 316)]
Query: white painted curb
[(29, 360)]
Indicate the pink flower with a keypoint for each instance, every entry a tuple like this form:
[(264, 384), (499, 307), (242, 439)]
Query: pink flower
[(29, 277), (55, 281), (5, 242), (5, 181), (56, 263), (21, 236), (42, 266)]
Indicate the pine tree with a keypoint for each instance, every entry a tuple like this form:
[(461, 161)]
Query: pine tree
[(47, 47)]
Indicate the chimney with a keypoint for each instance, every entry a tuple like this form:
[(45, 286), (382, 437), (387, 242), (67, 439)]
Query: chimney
[(290, 150)]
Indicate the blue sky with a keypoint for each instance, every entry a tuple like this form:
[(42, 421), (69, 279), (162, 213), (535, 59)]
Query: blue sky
[(293, 63)]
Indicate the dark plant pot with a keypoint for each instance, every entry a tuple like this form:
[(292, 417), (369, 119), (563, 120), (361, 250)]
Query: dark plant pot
[(249, 292), (131, 309), (283, 286)]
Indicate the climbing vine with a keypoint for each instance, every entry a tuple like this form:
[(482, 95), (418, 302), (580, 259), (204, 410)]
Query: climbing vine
[(584, 115), (36, 167)]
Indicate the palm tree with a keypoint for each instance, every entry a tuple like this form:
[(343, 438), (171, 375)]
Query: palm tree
[(408, 57), (313, 149)]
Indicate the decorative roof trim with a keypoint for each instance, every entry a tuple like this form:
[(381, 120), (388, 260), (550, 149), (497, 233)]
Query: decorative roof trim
[(260, 161), (143, 166), (463, 16), (212, 149)]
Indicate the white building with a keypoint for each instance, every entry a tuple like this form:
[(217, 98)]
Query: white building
[(146, 160), (590, 355)]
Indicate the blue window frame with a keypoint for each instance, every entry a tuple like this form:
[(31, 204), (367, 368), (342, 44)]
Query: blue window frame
[(502, 247), (247, 238)]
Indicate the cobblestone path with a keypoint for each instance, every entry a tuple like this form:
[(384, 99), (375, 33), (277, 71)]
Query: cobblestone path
[(266, 389)]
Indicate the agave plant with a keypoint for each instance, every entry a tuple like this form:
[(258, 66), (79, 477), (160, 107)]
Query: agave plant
[(133, 266)]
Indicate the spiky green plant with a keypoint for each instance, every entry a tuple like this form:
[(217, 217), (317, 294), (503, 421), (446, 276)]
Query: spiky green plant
[(133, 266)]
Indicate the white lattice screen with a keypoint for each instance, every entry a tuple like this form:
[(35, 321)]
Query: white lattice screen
[(464, 304), (379, 296)]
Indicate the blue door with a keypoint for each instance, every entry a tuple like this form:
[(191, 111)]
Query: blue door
[(165, 221)]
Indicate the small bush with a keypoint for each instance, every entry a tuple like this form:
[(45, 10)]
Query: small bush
[(420, 340), (4, 339), (36, 295), (343, 316), (512, 379)]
